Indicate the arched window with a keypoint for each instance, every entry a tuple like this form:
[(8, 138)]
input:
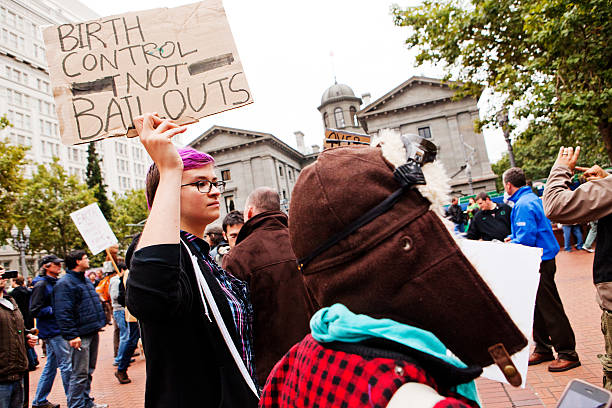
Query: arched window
[(339, 118), (354, 116), (326, 119)]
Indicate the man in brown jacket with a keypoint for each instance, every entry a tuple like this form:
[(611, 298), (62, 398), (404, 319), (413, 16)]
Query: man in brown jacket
[(589, 202), (12, 350), (264, 259)]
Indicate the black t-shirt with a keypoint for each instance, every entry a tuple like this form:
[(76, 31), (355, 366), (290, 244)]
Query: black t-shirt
[(491, 224)]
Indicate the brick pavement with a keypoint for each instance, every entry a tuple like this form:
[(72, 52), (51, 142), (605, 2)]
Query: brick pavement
[(105, 387), (543, 389)]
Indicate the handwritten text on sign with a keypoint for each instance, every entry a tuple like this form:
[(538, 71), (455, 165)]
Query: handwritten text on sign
[(335, 138), (94, 228), (180, 62)]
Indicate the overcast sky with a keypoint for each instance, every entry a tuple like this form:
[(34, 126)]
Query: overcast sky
[(285, 48)]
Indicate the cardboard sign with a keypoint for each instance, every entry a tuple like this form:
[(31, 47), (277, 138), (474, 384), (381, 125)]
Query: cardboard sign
[(335, 138), (514, 283), (94, 228), (181, 63)]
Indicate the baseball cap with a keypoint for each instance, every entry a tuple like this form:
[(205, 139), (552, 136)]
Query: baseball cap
[(49, 258)]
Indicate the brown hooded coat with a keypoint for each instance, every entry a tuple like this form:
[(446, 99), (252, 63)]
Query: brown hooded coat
[(264, 259)]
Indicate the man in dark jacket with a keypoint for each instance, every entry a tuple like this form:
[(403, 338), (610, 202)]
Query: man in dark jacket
[(21, 294), (455, 214), (58, 351), (264, 259), (12, 350), (80, 316), (491, 222)]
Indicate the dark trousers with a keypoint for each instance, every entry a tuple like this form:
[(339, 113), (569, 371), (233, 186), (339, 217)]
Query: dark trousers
[(551, 327)]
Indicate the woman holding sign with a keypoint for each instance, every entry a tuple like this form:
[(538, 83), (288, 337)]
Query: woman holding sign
[(195, 319)]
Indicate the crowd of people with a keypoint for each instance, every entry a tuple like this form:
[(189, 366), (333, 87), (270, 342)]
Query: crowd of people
[(337, 304)]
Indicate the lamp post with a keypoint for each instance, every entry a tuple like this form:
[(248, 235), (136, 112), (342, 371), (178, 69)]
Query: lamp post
[(21, 240), (502, 118)]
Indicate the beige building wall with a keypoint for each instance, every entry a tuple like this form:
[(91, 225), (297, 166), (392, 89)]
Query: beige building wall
[(247, 160)]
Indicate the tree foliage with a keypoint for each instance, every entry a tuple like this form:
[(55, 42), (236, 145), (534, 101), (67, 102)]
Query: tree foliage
[(130, 208), (550, 60), (95, 181), (45, 205), (12, 161)]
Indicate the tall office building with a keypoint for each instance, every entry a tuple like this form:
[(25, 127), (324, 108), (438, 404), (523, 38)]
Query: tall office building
[(26, 97)]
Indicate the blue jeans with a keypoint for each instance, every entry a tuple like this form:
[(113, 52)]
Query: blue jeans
[(83, 366), (11, 394), (58, 356), (568, 230), (460, 228), (119, 316), (132, 342)]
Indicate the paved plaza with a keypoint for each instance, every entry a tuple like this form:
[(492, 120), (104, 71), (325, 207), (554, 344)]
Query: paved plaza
[(543, 389)]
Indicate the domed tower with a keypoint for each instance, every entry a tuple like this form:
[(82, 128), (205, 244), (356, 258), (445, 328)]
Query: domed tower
[(339, 106)]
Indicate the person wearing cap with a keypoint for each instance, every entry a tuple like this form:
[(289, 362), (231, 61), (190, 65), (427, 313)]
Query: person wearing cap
[(394, 290), (80, 317), (58, 351)]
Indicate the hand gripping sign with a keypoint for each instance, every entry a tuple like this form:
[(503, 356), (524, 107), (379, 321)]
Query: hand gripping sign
[(181, 63)]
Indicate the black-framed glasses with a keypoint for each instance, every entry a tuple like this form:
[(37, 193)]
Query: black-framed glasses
[(205, 186)]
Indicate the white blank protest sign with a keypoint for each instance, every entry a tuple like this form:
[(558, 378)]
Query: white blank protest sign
[(94, 228), (512, 273), (179, 62)]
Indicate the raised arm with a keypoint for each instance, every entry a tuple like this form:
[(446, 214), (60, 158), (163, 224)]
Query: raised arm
[(590, 201), (162, 226)]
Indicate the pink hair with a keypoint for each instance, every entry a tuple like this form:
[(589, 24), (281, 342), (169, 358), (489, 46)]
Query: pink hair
[(192, 159)]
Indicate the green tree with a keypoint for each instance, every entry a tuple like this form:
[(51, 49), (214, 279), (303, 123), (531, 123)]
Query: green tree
[(12, 161), (45, 205), (129, 208), (95, 182), (550, 60)]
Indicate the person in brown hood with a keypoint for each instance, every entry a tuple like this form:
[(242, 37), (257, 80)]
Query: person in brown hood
[(264, 259), (401, 309)]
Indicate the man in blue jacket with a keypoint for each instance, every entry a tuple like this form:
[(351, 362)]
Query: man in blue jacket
[(79, 315), (58, 352), (530, 227)]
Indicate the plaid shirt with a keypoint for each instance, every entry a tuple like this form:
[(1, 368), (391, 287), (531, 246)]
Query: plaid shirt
[(237, 294), (310, 375)]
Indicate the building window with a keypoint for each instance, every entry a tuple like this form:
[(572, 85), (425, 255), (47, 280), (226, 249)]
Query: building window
[(226, 175), (339, 118), (284, 195), (326, 119), (425, 132), (280, 171), (229, 204), (354, 116)]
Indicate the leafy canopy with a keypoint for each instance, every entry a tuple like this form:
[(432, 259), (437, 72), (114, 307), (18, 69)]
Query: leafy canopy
[(46, 203), (550, 60)]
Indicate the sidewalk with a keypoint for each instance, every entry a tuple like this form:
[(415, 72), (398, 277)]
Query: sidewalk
[(543, 389), (105, 387)]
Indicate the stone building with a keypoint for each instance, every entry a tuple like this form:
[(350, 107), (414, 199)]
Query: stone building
[(424, 106), (248, 159), (339, 107), (26, 97)]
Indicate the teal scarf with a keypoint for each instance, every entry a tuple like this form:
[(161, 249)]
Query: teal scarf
[(337, 323)]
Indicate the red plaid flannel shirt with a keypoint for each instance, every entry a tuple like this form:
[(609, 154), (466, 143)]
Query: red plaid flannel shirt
[(310, 375)]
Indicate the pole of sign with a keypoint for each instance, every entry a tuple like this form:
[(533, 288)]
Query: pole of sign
[(112, 260)]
